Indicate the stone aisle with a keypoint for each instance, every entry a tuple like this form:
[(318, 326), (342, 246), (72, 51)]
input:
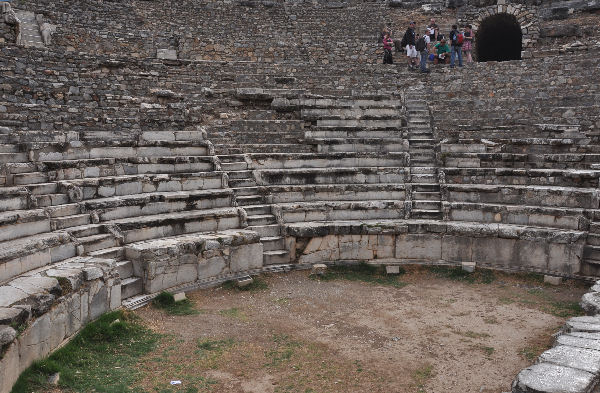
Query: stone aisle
[(30, 31), (424, 183)]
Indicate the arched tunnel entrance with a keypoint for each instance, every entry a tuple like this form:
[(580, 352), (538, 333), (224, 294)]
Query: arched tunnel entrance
[(499, 38)]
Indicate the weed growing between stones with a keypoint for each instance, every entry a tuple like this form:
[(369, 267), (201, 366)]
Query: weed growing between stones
[(362, 272), (101, 358), (479, 276), (166, 301), (233, 312)]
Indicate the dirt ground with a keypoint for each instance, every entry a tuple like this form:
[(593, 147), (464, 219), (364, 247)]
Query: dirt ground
[(298, 334)]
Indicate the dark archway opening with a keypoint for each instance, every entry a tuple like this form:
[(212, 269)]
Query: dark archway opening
[(499, 38)]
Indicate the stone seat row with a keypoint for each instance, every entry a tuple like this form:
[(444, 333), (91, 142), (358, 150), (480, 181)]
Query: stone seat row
[(525, 161)]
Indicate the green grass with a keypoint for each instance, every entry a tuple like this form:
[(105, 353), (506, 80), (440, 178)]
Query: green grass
[(479, 276), (207, 346), (283, 351), (101, 358), (362, 272), (166, 301), (422, 375), (233, 312), (530, 353), (258, 284)]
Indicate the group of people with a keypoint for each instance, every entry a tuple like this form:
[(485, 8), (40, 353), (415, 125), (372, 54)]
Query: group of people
[(432, 46)]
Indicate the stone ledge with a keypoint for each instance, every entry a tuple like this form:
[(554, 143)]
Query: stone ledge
[(49, 307)]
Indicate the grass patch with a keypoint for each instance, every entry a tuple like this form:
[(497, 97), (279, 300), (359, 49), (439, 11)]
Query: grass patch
[(216, 347), (531, 353), (564, 309), (101, 358), (283, 351), (479, 276), (472, 334), (364, 273), (165, 301), (233, 312), (258, 284), (422, 375)]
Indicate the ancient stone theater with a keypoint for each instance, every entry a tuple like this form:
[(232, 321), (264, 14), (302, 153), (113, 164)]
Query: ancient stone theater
[(150, 146)]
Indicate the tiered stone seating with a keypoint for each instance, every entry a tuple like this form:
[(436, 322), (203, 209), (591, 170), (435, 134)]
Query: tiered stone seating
[(89, 196)]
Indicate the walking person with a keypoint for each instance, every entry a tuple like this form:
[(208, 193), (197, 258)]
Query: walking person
[(409, 41), (468, 44), (387, 48), (456, 42), (422, 47)]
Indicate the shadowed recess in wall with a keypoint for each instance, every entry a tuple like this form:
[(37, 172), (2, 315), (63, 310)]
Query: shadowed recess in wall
[(499, 38)]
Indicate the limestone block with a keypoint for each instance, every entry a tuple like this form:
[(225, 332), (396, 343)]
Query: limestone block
[(9, 367), (33, 343), (457, 248), (564, 258), (7, 335), (589, 324), (494, 250), (553, 280), (419, 246), (10, 295), (73, 323), (58, 325), (577, 358), (98, 301), (212, 266), (531, 254), (9, 315), (36, 284), (590, 302), (580, 342), (115, 296), (179, 296), (468, 266), (551, 378), (392, 269), (246, 257)]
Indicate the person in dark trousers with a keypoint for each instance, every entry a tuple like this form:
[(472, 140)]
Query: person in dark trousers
[(409, 41), (387, 49), (456, 41), (422, 47)]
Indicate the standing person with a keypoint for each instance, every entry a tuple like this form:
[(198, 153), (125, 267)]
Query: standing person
[(409, 41), (456, 41), (387, 48), (468, 44), (422, 47), (433, 30)]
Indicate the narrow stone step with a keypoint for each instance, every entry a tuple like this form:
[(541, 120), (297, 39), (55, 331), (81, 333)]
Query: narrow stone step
[(425, 214), (246, 191), (272, 243), (234, 183), (245, 200), (131, 286), (71, 221), (266, 230), (43, 188), (63, 210), (254, 210), (117, 253), (261, 219), (427, 205), (234, 166), (276, 257), (125, 269), (591, 253), (97, 242), (13, 157), (245, 174), (9, 148)]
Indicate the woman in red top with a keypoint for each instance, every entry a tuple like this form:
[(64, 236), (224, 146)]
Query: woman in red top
[(387, 48)]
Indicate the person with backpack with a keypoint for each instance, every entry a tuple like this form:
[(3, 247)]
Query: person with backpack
[(387, 48), (409, 42), (456, 38), (422, 48)]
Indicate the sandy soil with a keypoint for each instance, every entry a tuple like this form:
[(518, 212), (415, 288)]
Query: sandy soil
[(305, 335)]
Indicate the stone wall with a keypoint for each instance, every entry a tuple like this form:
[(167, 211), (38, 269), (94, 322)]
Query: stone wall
[(169, 262), (506, 247), (49, 307)]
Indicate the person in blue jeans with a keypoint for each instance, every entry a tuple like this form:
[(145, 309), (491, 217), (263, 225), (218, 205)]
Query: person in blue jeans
[(456, 46)]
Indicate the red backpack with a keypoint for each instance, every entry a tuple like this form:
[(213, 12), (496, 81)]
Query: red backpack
[(459, 37)]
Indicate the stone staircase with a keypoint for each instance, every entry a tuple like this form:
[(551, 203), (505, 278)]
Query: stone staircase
[(425, 188), (260, 217), (591, 252), (30, 31)]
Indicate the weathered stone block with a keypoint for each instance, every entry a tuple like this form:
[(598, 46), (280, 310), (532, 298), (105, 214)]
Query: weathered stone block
[(419, 247)]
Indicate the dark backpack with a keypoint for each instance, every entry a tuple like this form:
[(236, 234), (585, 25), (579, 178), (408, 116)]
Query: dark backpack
[(421, 45)]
